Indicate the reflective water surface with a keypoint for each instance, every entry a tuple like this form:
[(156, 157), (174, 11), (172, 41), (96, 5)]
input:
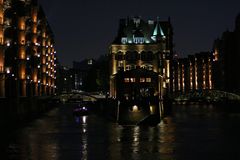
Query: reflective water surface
[(191, 132)]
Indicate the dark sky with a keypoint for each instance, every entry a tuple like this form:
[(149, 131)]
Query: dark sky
[(86, 28)]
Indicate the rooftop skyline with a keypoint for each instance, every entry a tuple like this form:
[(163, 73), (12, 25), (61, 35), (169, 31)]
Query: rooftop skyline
[(85, 29)]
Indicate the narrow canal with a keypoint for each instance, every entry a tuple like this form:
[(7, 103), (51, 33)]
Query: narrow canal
[(191, 133)]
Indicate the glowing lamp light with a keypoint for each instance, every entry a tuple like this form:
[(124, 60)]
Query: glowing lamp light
[(8, 70), (135, 108), (151, 110), (84, 119)]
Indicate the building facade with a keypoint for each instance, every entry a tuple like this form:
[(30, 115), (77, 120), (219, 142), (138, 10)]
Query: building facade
[(81, 70), (194, 73), (27, 53), (226, 60), (75, 79), (141, 48)]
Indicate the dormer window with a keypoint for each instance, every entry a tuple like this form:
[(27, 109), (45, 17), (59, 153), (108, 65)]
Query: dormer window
[(138, 40), (124, 40)]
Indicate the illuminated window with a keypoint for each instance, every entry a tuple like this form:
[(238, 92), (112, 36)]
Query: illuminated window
[(149, 67), (148, 79), (120, 64), (90, 61), (124, 40), (132, 80), (126, 80), (128, 67), (142, 79), (138, 40)]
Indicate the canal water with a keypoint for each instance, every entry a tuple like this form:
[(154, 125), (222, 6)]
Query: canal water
[(192, 132)]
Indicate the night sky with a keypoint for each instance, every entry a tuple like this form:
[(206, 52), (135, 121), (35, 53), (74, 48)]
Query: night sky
[(86, 28)]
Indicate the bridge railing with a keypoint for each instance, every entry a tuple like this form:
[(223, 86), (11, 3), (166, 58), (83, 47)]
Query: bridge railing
[(210, 95)]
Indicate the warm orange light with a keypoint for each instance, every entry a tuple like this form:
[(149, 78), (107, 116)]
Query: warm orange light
[(21, 23), (21, 38), (168, 68), (22, 71), (44, 60), (34, 15), (1, 35), (44, 35), (34, 28), (44, 80), (44, 68), (35, 76), (1, 63), (22, 54), (34, 39), (1, 18), (215, 55)]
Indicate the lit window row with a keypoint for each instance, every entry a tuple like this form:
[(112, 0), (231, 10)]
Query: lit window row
[(142, 80)]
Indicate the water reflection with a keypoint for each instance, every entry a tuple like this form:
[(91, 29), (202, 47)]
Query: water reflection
[(136, 141), (84, 142), (35, 142), (143, 142), (196, 130)]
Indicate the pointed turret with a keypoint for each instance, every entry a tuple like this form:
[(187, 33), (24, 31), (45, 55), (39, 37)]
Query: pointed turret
[(158, 32)]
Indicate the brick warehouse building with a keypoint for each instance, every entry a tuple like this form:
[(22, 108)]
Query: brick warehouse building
[(27, 54)]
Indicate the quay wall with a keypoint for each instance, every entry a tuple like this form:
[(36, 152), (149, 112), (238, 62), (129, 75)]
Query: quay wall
[(14, 111)]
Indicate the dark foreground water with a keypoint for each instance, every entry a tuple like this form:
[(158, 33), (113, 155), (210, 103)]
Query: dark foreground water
[(191, 133)]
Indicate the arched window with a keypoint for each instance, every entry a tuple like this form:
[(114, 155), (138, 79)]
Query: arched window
[(119, 56), (146, 56), (131, 56)]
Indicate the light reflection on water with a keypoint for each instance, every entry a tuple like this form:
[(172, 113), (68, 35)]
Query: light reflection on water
[(193, 132)]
